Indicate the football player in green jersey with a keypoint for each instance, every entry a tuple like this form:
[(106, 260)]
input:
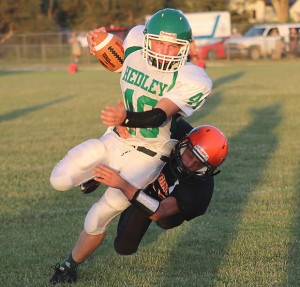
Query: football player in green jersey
[(158, 87)]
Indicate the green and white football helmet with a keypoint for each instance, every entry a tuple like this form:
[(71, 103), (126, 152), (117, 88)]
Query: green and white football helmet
[(172, 26)]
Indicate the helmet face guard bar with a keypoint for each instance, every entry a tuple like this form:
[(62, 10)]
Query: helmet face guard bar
[(165, 63), (182, 172)]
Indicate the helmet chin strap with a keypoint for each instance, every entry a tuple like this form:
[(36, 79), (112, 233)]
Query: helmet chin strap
[(215, 172)]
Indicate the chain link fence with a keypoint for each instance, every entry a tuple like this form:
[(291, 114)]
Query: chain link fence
[(49, 47), (55, 48), (46, 47)]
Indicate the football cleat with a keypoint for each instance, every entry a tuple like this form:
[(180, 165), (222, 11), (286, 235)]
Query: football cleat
[(89, 186), (63, 275)]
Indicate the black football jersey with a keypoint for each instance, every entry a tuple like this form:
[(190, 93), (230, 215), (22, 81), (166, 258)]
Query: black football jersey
[(192, 198)]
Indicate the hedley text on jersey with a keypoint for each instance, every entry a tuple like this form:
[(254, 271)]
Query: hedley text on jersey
[(140, 79)]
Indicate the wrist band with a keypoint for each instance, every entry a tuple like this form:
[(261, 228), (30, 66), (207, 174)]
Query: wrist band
[(145, 202)]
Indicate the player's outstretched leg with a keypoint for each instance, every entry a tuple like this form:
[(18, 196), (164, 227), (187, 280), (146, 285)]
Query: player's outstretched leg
[(77, 166)]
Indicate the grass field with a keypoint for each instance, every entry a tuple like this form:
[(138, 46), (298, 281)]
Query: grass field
[(250, 234)]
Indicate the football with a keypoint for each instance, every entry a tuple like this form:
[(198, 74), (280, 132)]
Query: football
[(109, 51)]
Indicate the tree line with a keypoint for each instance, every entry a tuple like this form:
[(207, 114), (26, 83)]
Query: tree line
[(24, 16)]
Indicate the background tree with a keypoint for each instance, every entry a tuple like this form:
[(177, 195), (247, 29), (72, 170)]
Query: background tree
[(196, 5), (282, 9), (83, 14), (130, 12), (21, 16), (89, 14)]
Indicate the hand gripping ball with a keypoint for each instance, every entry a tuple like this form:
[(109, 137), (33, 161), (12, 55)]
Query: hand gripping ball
[(109, 51)]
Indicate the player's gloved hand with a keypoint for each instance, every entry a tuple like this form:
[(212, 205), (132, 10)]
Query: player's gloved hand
[(123, 132), (90, 35), (113, 116)]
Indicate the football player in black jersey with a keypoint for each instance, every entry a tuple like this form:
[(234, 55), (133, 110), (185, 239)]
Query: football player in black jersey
[(182, 192)]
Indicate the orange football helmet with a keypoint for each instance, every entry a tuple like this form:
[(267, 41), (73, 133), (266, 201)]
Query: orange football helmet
[(208, 144)]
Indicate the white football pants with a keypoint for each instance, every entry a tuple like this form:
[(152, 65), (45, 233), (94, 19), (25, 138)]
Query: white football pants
[(77, 167)]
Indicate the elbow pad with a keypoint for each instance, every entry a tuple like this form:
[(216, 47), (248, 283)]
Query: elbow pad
[(150, 119)]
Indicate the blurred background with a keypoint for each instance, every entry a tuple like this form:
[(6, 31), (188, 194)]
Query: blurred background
[(44, 31)]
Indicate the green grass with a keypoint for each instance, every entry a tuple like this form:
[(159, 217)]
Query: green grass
[(248, 237)]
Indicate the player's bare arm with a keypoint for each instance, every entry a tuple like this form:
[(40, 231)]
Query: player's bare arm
[(166, 208), (168, 107), (111, 178)]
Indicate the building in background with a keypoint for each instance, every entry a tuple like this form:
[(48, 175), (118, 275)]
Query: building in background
[(262, 10)]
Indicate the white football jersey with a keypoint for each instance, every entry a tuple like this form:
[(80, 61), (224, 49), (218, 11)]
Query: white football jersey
[(143, 86)]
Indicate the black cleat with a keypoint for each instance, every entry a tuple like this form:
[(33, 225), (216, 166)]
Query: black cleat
[(89, 186), (62, 275)]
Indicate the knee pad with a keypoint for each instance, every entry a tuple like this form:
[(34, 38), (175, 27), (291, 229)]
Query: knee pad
[(102, 213), (77, 166), (98, 218), (116, 199), (61, 183)]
